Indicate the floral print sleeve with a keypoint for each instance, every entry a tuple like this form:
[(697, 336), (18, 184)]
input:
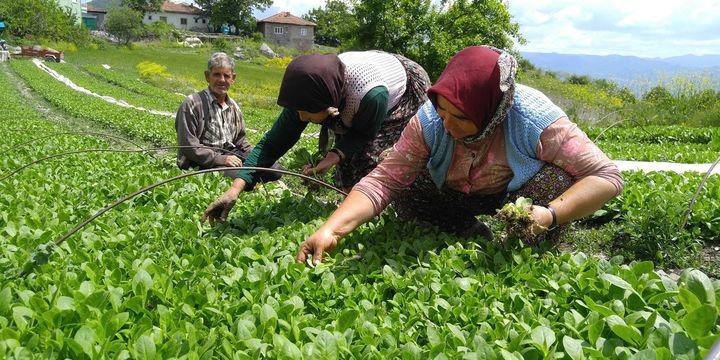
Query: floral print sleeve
[(564, 144), (400, 165)]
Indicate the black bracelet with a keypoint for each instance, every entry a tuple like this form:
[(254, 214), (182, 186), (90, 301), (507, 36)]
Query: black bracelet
[(554, 223)]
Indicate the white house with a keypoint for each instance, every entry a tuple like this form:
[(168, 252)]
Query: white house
[(182, 16)]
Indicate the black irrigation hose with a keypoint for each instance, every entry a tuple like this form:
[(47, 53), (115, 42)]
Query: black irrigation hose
[(40, 257), (51, 133), (105, 150), (697, 192)]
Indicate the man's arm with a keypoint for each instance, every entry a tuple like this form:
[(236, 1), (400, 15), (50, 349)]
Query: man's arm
[(240, 138)]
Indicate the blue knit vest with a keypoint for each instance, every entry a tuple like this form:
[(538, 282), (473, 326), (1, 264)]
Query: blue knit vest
[(529, 115)]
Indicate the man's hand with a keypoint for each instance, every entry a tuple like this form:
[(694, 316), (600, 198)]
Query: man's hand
[(218, 211), (233, 161), (314, 246), (323, 166)]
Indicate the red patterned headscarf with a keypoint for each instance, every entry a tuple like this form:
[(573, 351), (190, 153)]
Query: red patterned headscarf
[(480, 82)]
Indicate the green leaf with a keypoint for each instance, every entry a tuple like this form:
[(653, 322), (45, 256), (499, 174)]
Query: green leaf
[(142, 282), (647, 354), (85, 337), (700, 321), (629, 334), (482, 348), (245, 329), (596, 327), (11, 229), (682, 347), (268, 316), (601, 309), (285, 348), (543, 338), (5, 301), (688, 299), (457, 333), (465, 284), (573, 348), (411, 351), (249, 253), (325, 346), (65, 303), (119, 320), (700, 285), (347, 319), (20, 313), (643, 267), (617, 281), (433, 336), (145, 347)]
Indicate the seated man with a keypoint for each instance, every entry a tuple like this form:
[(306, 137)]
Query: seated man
[(210, 118)]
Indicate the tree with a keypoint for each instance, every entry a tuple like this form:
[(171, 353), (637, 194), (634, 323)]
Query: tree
[(658, 95), (124, 23), (236, 13), (393, 25), (432, 34), (335, 22), (143, 6), (578, 79), (39, 18)]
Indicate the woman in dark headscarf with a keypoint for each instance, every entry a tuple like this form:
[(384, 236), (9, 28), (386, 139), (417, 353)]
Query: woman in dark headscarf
[(362, 100), (478, 142)]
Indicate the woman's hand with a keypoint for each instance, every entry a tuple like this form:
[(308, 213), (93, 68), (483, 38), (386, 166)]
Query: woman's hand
[(218, 211), (354, 211), (315, 245), (542, 219), (330, 160)]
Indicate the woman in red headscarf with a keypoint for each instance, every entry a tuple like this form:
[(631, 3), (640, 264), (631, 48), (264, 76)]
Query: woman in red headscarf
[(480, 141)]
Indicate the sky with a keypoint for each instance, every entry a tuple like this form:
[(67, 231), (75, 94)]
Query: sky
[(644, 28)]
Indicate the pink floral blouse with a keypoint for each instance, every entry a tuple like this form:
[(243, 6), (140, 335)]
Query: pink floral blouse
[(484, 169)]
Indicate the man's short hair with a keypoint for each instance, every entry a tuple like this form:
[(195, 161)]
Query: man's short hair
[(221, 59)]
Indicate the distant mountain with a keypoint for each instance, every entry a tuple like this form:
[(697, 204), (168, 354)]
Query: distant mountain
[(636, 73)]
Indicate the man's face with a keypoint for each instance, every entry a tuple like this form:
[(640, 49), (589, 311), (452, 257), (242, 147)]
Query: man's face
[(219, 80)]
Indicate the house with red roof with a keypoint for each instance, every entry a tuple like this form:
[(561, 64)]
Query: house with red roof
[(288, 30), (182, 16)]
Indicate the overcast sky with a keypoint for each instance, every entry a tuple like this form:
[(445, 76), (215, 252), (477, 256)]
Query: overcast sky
[(645, 28)]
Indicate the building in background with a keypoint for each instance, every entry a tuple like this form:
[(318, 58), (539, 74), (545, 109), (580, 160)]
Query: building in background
[(182, 16), (288, 30), (93, 18)]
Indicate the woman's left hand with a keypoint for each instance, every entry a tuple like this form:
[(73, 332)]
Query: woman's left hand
[(330, 160), (542, 219)]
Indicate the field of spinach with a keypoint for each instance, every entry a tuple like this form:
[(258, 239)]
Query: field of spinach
[(147, 280)]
